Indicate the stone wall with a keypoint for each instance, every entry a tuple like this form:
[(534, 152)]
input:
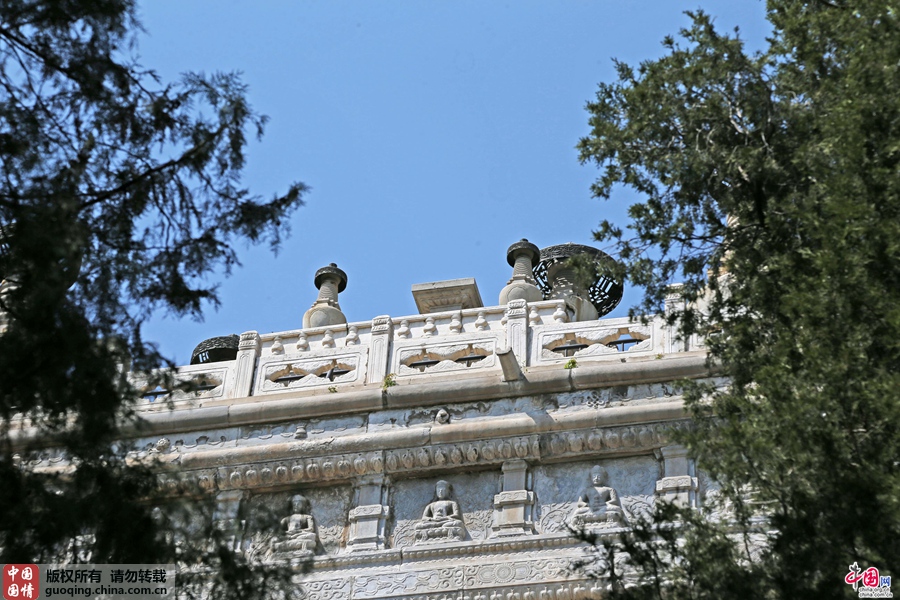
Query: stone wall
[(405, 459)]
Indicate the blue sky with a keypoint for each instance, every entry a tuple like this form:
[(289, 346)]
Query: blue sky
[(432, 134)]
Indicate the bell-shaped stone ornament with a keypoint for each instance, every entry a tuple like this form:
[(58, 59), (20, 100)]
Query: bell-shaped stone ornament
[(325, 311), (521, 256)]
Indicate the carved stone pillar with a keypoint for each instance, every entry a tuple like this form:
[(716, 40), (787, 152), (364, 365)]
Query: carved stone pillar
[(679, 482), (369, 515), (674, 304), (513, 506), (380, 349), (517, 329), (226, 517), (245, 365)]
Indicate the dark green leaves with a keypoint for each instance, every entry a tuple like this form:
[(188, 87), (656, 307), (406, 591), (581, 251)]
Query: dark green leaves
[(119, 195), (770, 189)]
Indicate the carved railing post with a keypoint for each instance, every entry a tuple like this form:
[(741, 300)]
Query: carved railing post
[(380, 349), (513, 506), (245, 365), (517, 330)]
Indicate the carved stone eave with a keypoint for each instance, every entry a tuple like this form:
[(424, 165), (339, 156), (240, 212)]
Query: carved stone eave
[(465, 431), (220, 472)]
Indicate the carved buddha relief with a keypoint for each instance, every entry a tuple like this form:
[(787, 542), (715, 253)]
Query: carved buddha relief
[(598, 504), (298, 529), (441, 520)]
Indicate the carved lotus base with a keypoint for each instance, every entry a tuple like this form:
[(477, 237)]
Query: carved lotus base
[(439, 534), (610, 518), (304, 542)]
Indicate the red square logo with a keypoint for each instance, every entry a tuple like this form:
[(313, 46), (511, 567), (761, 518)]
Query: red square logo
[(21, 582)]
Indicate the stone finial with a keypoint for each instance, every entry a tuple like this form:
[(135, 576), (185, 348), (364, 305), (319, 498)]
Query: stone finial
[(521, 256), (330, 281)]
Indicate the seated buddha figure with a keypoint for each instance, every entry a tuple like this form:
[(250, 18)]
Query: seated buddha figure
[(598, 504), (441, 518), (299, 528)]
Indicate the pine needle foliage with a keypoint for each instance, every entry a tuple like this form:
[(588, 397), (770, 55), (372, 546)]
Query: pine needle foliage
[(120, 195), (769, 188)]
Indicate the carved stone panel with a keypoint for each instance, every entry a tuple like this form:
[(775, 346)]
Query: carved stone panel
[(558, 486), (463, 455), (465, 355), (473, 492), (283, 373), (327, 506), (585, 340), (330, 589), (397, 585), (330, 507)]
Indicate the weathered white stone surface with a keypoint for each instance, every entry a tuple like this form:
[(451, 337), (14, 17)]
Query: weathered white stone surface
[(348, 416)]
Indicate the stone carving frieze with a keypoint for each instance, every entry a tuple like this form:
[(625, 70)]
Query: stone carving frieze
[(326, 468), (478, 523), (607, 440), (330, 589), (404, 534), (464, 454), (442, 519), (575, 589), (187, 482), (638, 508), (188, 384), (299, 535), (513, 572), (395, 585), (553, 517)]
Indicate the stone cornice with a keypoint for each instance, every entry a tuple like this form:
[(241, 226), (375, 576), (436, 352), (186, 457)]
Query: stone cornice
[(274, 408)]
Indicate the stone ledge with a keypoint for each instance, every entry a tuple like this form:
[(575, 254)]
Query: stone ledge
[(272, 409)]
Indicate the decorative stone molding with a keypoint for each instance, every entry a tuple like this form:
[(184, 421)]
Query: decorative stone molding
[(679, 482), (187, 482), (313, 470), (680, 490), (607, 440), (453, 294), (444, 456), (379, 350), (249, 347), (538, 579)]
